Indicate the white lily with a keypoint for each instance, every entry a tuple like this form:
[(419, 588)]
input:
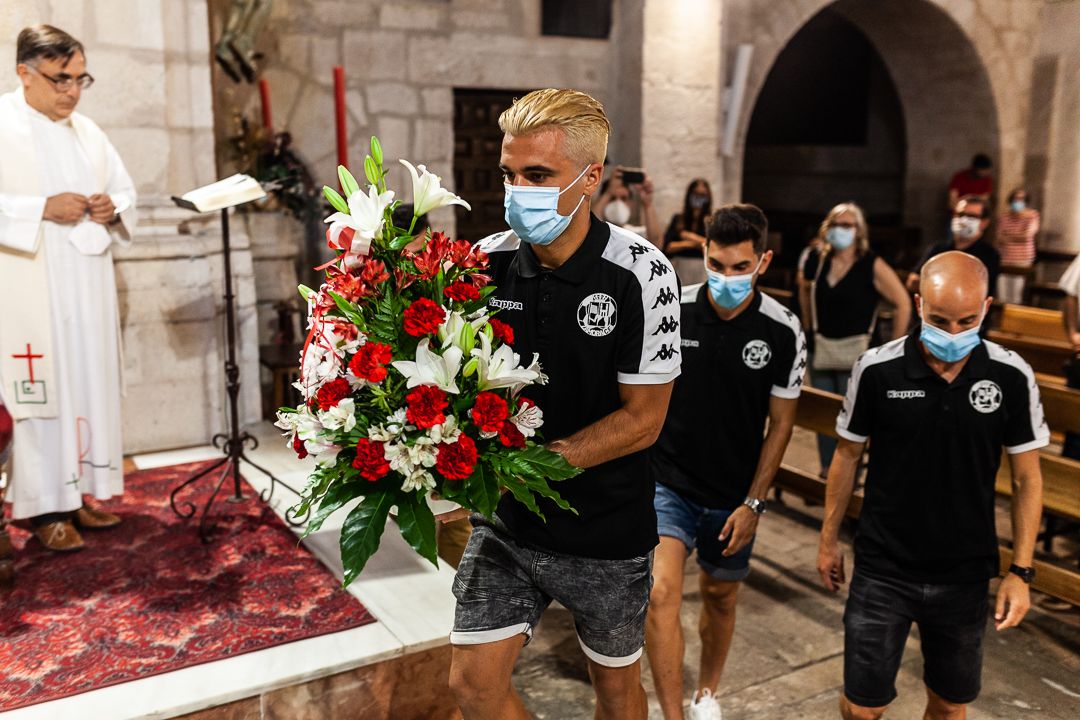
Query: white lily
[(449, 332), (447, 432), (528, 419), (541, 378), (502, 368), (418, 480), (428, 192), (365, 217), (430, 368), (340, 417)]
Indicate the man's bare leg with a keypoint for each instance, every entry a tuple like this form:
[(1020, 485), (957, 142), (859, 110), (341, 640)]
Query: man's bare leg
[(851, 711), (663, 629), (938, 708), (716, 628), (480, 680), (619, 694)]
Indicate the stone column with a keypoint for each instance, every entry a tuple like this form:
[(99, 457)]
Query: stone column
[(680, 97)]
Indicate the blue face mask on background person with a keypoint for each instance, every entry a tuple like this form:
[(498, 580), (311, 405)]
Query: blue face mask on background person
[(1017, 206), (533, 212), (840, 237), (946, 346), (730, 291)]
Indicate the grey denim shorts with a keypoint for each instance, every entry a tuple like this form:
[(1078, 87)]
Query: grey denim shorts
[(502, 589)]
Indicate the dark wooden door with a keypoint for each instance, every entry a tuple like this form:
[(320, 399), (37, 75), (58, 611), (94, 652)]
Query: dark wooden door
[(477, 145)]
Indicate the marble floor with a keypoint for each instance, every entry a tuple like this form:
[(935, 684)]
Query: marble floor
[(787, 655)]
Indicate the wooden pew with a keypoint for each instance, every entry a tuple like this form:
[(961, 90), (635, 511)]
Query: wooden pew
[(817, 412), (1038, 335)]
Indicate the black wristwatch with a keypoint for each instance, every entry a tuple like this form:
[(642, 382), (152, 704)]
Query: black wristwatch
[(1025, 574)]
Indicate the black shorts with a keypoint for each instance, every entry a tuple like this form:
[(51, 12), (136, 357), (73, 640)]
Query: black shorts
[(877, 620), (502, 589)]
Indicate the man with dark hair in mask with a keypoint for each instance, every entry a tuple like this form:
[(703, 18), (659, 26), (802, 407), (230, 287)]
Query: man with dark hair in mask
[(744, 356), (938, 408), (971, 217)]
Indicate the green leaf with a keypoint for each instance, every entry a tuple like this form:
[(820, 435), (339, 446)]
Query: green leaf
[(335, 199), (541, 487), (524, 496), (545, 463), (348, 182), (401, 241), (362, 531), (335, 498), (482, 489), (417, 525), (347, 309), (376, 150)]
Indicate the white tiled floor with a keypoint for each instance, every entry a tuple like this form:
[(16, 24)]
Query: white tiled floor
[(410, 598)]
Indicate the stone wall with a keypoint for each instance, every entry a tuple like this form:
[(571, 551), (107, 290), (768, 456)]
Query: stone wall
[(152, 97), (1054, 144), (962, 69), (402, 60)]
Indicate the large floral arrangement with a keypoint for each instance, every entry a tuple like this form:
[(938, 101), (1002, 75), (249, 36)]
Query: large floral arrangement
[(410, 386)]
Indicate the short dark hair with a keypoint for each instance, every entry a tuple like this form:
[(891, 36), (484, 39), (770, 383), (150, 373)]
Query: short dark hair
[(738, 223), (982, 161), (45, 41), (983, 203)]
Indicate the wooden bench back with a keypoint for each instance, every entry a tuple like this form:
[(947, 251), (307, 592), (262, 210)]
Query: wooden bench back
[(1033, 322)]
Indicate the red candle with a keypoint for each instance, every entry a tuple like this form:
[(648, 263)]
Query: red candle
[(264, 94), (339, 113)]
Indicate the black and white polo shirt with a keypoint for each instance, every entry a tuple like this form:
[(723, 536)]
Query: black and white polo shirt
[(607, 316), (935, 448), (709, 448)]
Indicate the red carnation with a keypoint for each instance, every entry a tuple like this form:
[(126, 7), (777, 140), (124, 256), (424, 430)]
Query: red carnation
[(369, 361), (333, 392), (462, 292), (510, 436), (502, 331), (423, 317), (457, 460), (298, 447), (370, 459), (490, 412), (425, 406)]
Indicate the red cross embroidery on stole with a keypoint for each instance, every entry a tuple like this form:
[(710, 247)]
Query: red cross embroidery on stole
[(30, 357)]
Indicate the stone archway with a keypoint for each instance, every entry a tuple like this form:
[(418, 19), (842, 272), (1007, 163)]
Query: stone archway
[(961, 69)]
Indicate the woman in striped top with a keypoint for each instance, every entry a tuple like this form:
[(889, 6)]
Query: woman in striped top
[(1016, 231)]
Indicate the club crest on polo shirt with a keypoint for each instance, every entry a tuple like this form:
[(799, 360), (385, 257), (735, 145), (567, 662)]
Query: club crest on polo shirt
[(597, 314), (985, 396), (756, 354)]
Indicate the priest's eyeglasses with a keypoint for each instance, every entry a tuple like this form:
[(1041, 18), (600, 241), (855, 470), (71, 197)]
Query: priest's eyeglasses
[(65, 82)]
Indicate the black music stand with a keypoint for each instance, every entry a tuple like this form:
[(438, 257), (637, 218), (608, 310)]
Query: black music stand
[(236, 440)]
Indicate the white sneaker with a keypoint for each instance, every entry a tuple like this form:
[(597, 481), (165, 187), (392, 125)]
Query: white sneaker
[(705, 707)]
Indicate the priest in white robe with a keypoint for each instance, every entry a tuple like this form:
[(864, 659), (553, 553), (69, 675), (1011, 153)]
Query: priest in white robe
[(65, 198)]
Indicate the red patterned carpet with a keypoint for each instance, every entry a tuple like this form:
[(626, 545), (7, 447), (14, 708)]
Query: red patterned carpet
[(148, 597)]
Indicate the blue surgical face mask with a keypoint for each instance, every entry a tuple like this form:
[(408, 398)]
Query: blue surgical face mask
[(1018, 206), (533, 212), (729, 291), (840, 237), (946, 346)]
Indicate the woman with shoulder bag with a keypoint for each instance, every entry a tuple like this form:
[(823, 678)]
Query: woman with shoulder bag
[(839, 290)]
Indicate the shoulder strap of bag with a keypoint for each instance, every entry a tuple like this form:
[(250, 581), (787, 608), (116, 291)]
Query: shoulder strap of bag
[(813, 291)]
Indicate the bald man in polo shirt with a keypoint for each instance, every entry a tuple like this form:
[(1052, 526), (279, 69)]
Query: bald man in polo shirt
[(939, 407)]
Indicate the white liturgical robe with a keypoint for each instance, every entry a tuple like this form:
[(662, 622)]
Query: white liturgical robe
[(62, 384)]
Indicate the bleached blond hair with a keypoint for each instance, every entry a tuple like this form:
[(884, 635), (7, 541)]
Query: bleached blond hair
[(580, 116)]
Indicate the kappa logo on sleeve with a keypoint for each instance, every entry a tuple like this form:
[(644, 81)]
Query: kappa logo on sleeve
[(985, 396), (597, 314)]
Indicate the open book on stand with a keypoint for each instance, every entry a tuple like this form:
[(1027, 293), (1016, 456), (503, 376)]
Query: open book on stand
[(235, 190)]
